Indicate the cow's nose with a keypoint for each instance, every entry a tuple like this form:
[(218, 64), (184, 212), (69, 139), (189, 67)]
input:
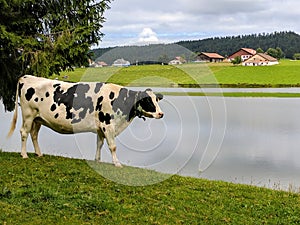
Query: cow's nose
[(161, 114)]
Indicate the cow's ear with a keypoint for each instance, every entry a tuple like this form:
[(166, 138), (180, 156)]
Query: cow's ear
[(159, 96), (142, 95)]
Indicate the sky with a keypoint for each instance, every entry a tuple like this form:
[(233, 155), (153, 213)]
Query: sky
[(140, 22)]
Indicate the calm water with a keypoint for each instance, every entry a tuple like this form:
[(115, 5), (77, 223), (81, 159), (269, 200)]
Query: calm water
[(244, 140)]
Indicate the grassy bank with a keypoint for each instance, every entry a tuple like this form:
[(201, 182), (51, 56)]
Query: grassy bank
[(55, 190), (286, 74), (236, 94)]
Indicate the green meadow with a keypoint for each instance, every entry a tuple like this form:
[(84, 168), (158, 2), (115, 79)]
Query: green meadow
[(56, 190), (286, 74)]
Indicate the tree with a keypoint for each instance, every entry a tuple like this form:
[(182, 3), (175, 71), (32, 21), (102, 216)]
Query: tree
[(259, 50), (297, 56), (280, 53), (276, 53), (237, 60), (164, 59), (45, 37)]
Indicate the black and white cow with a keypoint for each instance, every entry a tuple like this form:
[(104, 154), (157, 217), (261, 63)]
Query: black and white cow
[(105, 109)]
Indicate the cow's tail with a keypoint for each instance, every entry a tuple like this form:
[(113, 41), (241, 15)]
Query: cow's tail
[(15, 117)]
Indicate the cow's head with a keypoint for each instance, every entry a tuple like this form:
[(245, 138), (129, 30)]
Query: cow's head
[(147, 104)]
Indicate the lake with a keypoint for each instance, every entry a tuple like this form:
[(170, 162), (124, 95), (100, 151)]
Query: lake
[(243, 140)]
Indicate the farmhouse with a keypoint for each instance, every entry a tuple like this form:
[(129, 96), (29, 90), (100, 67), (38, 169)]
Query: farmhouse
[(260, 59), (209, 57), (97, 64), (244, 53), (121, 63), (177, 61)]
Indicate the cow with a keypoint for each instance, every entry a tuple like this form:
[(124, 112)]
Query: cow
[(102, 108)]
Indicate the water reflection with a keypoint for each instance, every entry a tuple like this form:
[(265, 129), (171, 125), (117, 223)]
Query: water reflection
[(245, 140)]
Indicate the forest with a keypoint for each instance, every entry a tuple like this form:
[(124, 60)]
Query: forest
[(287, 41)]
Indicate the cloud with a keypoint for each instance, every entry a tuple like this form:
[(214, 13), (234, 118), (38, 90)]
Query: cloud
[(148, 36), (175, 20)]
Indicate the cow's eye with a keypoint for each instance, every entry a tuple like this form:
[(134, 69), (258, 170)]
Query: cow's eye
[(159, 97)]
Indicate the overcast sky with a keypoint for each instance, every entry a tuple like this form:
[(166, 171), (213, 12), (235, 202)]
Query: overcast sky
[(131, 22)]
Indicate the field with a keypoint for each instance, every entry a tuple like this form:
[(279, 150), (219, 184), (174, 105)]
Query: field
[(286, 74), (55, 190)]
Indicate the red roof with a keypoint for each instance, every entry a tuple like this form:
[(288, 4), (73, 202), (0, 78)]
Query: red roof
[(213, 55), (249, 50), (242, 51)]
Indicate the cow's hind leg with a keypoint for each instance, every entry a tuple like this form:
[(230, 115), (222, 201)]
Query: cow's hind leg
[(110, 138), (34, 137), (100, 141), (26, 128)]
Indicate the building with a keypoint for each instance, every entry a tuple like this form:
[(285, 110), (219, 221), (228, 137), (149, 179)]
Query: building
[(209, 57), (97, 64), (177, 61), (244, 53), (260, 59), (101, 64), (121, 63)]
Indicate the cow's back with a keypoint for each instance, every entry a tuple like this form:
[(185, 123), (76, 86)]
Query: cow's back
[(76, 107), (64, 107)]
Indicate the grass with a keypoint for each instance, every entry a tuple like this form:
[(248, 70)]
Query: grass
[(152, 75), (236, 94), (56, 190), (286, 74)]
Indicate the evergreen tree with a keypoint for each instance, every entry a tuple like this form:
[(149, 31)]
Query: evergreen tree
[(259, 50), (45, 37)]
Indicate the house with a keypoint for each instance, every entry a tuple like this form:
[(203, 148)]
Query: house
[(209, 57), (244, 53), (177, 61), (102, 64), (121, 63), (260, 59), (97, 64)]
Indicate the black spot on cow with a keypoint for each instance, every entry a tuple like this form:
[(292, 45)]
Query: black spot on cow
[(56, 85), (56, 116), (103, 129), (111, 95), (20, 88), (126, 103), (74, 99), (36, 99), (99, 105), (104, 118), (53, 107), (30, 92), (98, 87), (47, 94)]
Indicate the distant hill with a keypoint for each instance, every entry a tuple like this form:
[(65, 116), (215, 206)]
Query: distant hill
[(159, 53), (288, 41)]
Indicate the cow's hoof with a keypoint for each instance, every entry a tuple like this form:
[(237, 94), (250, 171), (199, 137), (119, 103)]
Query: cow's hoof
[(39, 156), (119, 165), (25, 156)]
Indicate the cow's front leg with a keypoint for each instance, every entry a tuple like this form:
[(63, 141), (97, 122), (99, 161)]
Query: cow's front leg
[(110, 138), (100, 140)]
